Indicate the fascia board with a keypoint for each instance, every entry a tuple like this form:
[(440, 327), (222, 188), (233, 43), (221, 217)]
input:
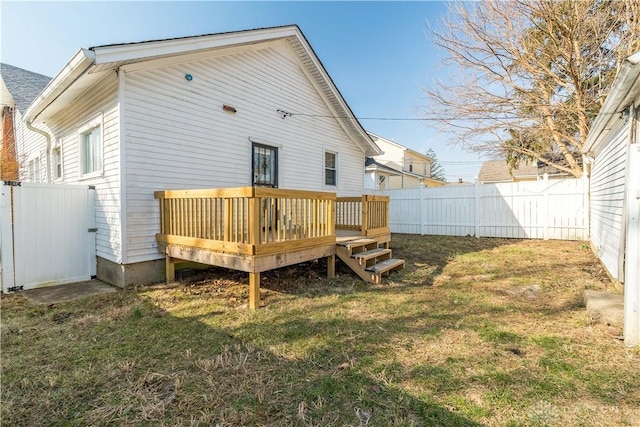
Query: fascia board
[(370, 149), (617, 100), (145, 50), (77, 66)]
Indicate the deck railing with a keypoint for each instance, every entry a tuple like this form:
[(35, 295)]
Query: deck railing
[(367, 214), (246, 220)]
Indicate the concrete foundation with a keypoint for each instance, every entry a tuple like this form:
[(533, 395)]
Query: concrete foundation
[(127, 275)]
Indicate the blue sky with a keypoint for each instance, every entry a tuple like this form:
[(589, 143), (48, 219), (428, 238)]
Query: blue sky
[(377, 53)]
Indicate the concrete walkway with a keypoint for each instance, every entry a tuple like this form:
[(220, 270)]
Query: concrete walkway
[(67, 292)]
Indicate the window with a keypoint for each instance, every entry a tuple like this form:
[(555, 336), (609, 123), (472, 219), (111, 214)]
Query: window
[(56, 160), (265, 165), (330, 175), (91, 150), (34, 170)]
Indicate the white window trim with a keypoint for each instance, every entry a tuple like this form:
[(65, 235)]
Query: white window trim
[(58, 148), (34, 159), (324, 168), (97, 121)]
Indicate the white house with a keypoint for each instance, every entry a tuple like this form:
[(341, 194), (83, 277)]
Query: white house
[(246, 108), (397, 167), (614, 152), (18, 88)]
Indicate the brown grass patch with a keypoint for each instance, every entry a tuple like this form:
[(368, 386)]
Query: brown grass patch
[(472, 332)]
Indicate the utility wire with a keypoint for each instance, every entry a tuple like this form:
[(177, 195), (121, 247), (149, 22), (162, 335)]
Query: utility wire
[(400, 118)]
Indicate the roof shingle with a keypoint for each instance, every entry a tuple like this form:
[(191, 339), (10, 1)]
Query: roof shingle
[(498, 171), (23, 85)]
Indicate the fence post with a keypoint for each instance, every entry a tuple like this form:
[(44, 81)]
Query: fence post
[(7, 274), (476, 206), (421, 200), (92, 236), (586, 186), (545, 206)]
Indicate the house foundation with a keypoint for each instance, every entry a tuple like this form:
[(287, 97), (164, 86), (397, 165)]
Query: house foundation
[(127, 275)]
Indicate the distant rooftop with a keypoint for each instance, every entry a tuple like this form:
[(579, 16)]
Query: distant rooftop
[(498, 171), (23, 85)]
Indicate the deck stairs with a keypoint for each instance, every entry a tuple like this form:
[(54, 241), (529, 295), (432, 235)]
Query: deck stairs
[(370, 259)]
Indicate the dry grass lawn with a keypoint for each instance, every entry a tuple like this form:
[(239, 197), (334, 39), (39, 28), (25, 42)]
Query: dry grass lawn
[(473, 332)]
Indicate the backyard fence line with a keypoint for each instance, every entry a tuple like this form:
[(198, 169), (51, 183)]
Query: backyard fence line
[(543, 209)]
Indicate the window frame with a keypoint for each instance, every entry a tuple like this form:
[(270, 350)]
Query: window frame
[(273, 182), (90, 128), (57, 166), (35, 175), (333, 169)]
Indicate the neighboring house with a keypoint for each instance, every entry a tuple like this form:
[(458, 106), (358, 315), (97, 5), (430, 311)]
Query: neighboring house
[(459, 183), (613, 149), (18, 88), (397, 167), (493, 171), (211, 111)]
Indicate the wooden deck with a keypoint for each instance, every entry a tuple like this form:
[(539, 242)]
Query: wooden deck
[(256, 229)]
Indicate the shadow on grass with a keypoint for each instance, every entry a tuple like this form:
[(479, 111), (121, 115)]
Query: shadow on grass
[(121, 359), (426, 257), (431, 254)]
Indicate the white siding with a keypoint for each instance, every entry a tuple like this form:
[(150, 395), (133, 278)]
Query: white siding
[(607, 200), (392, 153), (178, 136), (100, 100), (30, 145), (403, 181)]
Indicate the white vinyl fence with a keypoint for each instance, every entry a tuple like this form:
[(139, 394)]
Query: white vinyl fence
[(47, 235), (544, 209)]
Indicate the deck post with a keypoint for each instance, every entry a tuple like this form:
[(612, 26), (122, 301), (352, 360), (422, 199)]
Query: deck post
[(364, 210), (254, 291), (170, 269), (331, 266)]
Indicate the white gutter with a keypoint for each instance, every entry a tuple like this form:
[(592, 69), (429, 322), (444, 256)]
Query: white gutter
[(47, 136), (75, 68), (613, 104)]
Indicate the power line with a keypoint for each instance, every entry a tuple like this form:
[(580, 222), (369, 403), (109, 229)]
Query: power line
[(423, 119)]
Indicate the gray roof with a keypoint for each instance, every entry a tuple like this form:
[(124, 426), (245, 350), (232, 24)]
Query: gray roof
[(23, 85), (498, 171)]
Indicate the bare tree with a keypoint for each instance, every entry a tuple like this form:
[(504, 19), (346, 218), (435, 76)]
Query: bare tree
[(530, 75)]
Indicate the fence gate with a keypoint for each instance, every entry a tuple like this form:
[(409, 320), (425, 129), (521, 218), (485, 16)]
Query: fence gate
[(47, 235)]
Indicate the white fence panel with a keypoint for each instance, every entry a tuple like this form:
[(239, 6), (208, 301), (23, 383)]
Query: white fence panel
[(405, 211), (542, 209), (449, 213), (513, 210), (51, 238)]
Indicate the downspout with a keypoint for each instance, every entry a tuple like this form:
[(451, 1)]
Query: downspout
[(627, 179), (586, 178), (47, 136)]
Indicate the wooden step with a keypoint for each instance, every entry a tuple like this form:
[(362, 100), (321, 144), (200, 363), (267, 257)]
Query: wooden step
[(370, 254), (385, 266), (349, 244)]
